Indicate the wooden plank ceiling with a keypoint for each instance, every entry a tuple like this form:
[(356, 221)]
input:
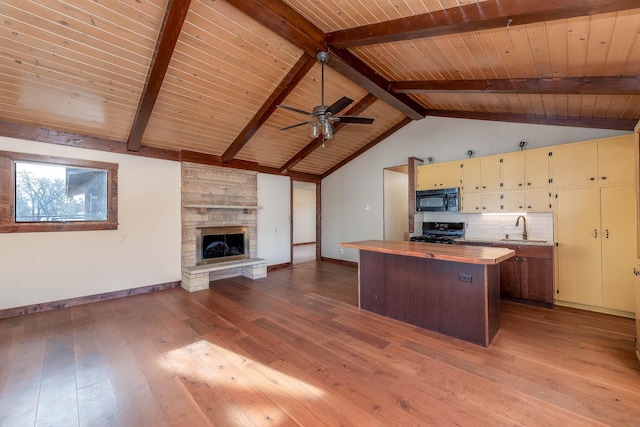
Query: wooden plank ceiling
[(203, 78)]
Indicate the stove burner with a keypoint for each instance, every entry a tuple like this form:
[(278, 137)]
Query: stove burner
[(440, 232)]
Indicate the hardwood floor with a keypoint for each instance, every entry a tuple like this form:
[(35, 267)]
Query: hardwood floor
[(292, 349)]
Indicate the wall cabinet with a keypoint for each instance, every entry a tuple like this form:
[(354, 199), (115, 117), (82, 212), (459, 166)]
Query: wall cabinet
[(602, 161), (536, 168), (595, 246), (480, 202), (439, 175), (490, 170), (513, 171), (471, 176), (528, 276)]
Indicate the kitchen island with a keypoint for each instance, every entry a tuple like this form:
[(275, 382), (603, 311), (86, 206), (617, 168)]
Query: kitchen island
[(450, 289)]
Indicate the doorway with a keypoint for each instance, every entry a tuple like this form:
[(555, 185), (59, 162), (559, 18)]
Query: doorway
[(396, 203), (303, 233)]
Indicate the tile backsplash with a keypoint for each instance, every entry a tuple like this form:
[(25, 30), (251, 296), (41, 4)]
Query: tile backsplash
[(477, 226)]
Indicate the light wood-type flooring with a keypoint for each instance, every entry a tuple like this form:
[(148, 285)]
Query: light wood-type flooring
[(293, 349)]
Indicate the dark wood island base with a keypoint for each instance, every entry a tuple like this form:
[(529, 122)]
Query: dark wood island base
[(453, 292)]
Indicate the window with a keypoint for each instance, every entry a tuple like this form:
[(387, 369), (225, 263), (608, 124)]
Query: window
[(40, 193)]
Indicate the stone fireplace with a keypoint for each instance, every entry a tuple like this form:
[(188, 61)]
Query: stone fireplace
[(219, 201)]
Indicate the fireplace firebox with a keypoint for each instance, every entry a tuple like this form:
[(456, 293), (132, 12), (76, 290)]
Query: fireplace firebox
[(219, 244)]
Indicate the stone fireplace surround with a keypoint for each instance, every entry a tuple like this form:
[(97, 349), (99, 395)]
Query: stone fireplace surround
[(204, 185)]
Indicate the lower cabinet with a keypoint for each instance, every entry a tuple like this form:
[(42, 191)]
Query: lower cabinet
[(528, 276)]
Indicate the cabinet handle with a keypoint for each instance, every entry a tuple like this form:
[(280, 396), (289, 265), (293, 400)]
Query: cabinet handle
[(520, 185), (528, 183), (636, 272), (595, 233), (603, 178), (592, 179), (606, 233)]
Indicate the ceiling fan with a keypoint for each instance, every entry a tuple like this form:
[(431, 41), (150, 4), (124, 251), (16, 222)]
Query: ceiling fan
[(322, 116)]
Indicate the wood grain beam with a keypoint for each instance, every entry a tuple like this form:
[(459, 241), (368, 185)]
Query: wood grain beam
[(386, 134), (213, 160), (581, 122), (625, 85), (356, 110), (297, 73), (52, 136), (282, 19), (472, 17), (170, 31)]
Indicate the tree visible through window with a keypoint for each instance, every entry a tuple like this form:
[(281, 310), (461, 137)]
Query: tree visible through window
[(58, 193), (42, 193)]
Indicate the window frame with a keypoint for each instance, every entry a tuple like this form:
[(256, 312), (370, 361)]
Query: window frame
[(8, 222)]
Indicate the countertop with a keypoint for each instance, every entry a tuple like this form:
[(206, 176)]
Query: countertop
[(507, 242), (456, 253)]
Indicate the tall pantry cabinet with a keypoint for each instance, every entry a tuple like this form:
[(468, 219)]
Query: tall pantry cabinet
[(595, 224), (637, 252)]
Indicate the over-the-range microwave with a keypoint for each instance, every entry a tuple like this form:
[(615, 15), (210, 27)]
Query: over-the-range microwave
[(444, 199)]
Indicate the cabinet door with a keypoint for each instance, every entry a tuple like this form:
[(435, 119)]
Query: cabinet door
[(471, 203), (490, 173), (513, 171), (616, 159), (471, 178), (577, 222), (538, 201), (536, 168), (513, 202), (426, 177), (449, 173), (574, 164), (618, 247), (491, 203), (536, 278), (510, 278)]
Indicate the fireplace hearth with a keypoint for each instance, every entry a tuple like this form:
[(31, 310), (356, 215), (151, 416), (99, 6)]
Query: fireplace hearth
[(220, 244)]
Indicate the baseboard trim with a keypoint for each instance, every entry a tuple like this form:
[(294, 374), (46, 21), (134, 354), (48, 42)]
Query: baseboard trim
[(56, 305), (279, 266), (340, 261), (603, 310)]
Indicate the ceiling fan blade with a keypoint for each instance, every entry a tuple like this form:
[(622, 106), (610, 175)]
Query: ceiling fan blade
[(354, 119), (296, 125), (296, 110), (339, 105)]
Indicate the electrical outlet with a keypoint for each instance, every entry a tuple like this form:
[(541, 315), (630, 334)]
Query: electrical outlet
[(341, 250), (464, 277)]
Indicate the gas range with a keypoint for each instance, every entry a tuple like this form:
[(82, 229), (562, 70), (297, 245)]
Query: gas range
[(440, 232)]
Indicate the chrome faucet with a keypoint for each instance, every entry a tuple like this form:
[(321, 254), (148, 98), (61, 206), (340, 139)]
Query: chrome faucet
[(524, 226)]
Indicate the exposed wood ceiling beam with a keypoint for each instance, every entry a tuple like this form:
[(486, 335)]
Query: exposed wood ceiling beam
[(213, 160), (473, 17), (168, 37), (282, 19), (297, 73), (317, 142), (51, 136), (582, 122), (386, 134), (627, 85)]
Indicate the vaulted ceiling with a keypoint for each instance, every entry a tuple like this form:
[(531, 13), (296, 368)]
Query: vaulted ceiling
[(201, 79)]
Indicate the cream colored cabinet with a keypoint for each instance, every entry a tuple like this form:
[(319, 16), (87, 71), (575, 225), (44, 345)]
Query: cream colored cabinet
[(536, 168), (471, 177), (574, 164), (513, 168), (490, 170), (513, 202), (616, 159), (595, 246), (439, 175), (481, 202), (538, 201), (426, 177)]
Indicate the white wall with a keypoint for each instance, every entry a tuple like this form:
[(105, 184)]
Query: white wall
[(304, 212), (274, 233), (360, 182), (396, 205), (42, 267)]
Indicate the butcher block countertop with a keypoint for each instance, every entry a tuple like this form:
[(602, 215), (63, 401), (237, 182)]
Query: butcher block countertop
[(455, 253)]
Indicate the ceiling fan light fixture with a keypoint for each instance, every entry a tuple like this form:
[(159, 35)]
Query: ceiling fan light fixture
[(315, 130), (327, 129)]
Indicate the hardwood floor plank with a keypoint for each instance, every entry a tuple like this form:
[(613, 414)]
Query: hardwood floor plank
[(294, 349)]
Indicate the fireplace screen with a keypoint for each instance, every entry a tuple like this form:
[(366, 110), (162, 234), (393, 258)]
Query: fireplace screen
[(215, 244)]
